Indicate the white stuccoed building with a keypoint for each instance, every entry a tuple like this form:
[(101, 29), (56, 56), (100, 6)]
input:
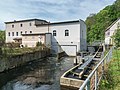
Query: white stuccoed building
[(68, 36), (110, 31)]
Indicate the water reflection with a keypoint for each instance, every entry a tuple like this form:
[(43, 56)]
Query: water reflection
[(38, 75)]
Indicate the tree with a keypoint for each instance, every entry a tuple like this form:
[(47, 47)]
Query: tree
[(2, 35), (97, 23)]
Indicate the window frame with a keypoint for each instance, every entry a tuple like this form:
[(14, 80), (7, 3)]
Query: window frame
[(30, 31), (66, 32), (13, 26), (21, 25), (25, 32), (8, 33), (54, 33), (16, 33), (12, 33), (21, 32)]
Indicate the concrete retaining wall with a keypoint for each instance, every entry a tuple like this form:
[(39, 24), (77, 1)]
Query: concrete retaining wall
[(71, 82), (17, 60)]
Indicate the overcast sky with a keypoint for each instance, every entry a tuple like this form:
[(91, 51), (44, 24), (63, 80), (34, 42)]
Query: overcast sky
[(50, 10)]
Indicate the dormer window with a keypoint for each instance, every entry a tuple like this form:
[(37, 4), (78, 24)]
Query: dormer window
[(54, 32)]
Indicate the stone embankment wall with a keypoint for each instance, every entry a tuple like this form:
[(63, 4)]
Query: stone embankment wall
[(17, 60)]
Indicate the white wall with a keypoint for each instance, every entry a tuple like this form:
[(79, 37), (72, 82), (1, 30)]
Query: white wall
[(18, 28), (60, 42), (112, 30)]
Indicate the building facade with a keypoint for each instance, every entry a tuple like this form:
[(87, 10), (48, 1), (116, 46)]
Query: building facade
[(68, 36), (110, 31)]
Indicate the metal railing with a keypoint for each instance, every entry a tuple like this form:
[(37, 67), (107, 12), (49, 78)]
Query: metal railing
[(93, 80)]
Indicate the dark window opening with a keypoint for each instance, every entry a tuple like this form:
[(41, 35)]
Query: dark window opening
[(16, 33), (8, 33), (25, 32), (54, 33), (21, 25), (12, 26), (30, 31), (21, 32), (12, 33), (66, 32)]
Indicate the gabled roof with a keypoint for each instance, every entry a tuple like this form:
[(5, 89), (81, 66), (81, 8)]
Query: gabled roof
[(25, 20), (112, 24)]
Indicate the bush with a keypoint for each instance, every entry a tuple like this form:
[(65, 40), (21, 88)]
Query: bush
[(39, 44), (13, 45)]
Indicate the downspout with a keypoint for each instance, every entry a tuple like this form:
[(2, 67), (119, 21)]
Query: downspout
[(80, 34), (48, 26)]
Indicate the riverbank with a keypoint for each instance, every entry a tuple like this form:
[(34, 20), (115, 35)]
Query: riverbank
[(111, 79), (12, 60), (44, 75)]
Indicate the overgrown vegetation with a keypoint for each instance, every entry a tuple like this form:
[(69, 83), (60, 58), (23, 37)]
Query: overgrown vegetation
[(2, 35), (97, 23), (117, 38), (39, 44), (18, 51), (111, 79)]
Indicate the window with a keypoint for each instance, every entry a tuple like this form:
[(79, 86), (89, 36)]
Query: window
[(21, 25), (21, 32), (8, 33), (12, 26), (66, 32), (25, 32), (118, 25), (54, 32), (16, 33), (30, 24), (12, 33), (30, 31)]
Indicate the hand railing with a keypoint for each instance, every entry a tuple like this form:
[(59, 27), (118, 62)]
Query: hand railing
[(96, 75)]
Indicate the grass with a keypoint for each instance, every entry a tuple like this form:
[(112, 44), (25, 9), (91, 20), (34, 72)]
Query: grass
[(111, 79)]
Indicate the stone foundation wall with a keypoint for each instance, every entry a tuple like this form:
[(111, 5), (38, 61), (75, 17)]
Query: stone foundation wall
[(17, 60)]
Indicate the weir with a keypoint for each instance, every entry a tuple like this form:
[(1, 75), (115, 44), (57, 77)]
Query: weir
[(76, 76)]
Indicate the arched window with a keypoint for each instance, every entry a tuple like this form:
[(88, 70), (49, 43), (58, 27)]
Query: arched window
[(54, 32), (66, 32)]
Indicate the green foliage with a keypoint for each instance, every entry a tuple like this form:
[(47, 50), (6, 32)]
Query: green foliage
[(39, 44), (2, 35), (97, 23), (111, 78), (117, 38)]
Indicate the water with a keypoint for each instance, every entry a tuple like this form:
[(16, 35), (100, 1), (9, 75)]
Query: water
[(43, 74)]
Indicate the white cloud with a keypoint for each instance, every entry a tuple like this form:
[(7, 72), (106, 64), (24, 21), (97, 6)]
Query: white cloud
[(53, 10)]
